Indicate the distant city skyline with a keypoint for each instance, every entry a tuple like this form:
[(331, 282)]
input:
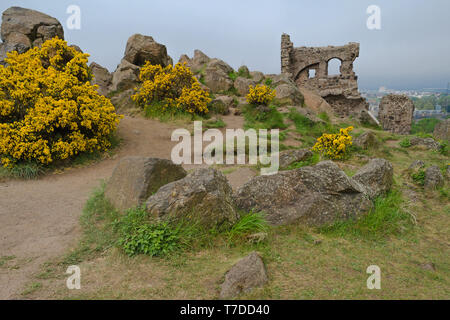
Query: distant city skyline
[(410, 51)]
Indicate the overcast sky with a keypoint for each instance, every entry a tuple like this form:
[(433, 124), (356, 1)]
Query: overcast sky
[(411, 50)]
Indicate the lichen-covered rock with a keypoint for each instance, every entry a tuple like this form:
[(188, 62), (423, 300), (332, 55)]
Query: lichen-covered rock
[(376, 176), (125, 77), (366, 140), (198, 61), (242, 85), (417, 164), (204, 196), (135, 178), (257, 76), (428, 143), (442, 130), (123, 102), (221, 105), (396, 113), (101, 77), (288, 94), (247, 274), (433, 178), (217, 80), (289, 157), (315, 195), (142, 48)]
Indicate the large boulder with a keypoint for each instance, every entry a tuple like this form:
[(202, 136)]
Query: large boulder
[(34, 25), (442, 130), (221, 104), (136, 178), (142, 48), (217, 77), (123, 102), (247, 274), (125, 77), (257, 76), (366, 140), (428, 143), (242, 85), (376, 176), (288, 94), (289, 157), (244, 72), (204, 196), (315, 195), (433, 178), (101, 77)]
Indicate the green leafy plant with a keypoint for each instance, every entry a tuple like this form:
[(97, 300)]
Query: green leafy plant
[(405, 143), (419, 177)]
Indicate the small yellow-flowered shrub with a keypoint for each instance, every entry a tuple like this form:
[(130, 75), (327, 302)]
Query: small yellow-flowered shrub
[(48, 108), (260, 94), (334, 146), (174, 88)]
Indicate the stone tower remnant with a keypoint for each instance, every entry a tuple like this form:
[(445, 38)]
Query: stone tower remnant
[(396, 113)]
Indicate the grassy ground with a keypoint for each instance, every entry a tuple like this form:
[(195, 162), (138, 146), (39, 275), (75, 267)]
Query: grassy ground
[(406, 235)]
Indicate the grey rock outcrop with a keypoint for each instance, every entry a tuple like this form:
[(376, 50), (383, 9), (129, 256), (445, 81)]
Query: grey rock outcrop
[(428, 143), (101, 77), (315, 195), (204, 196), (288, 94), (289, 157), (376, 176), (135, 178), (247, 274), (366, 140), (242, 85), (34, 25), (433, 178), (125, 77)]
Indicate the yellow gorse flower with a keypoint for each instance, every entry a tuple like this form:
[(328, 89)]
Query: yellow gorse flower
[(260, 94), (174, 87), (48, 108), (334, 146)]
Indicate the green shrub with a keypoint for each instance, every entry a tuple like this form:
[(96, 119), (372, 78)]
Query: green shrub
[(252, 222), (405, 143), (419, 177), (137, 235)]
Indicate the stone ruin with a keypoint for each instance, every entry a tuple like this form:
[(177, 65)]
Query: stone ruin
[(340, 91), (396, 113)]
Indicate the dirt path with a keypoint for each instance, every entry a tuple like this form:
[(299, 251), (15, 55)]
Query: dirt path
[(39, 218)]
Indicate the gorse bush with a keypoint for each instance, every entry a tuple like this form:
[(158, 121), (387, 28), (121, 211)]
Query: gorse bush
[(48, 108), (173, 89), (334, 146), (260, 94)]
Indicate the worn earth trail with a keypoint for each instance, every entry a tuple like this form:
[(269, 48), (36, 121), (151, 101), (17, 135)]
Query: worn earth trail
[(39, 219)]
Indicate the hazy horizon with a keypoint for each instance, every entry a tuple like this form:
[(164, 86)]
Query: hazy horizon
[(409, 52)]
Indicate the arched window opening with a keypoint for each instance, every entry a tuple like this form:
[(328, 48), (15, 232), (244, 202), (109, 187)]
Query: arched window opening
[(334, 67)]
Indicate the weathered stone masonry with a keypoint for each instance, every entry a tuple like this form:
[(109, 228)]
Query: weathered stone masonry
[(340, 91)]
